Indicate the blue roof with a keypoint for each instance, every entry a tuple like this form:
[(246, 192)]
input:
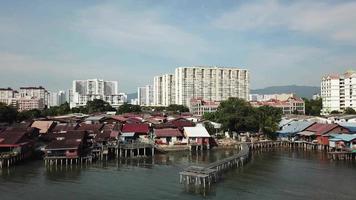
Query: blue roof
[(343, 137), (348, 125), (294, 127)]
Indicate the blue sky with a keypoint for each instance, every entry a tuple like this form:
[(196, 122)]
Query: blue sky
[(51, 43)]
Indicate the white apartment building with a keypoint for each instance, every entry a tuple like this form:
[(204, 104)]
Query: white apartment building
[(164, 90), (210, 84), (88, 90), (145, 95), (27, 99), (338, 92), (35, 93), (57, 98), (207, 83), (8, 96)]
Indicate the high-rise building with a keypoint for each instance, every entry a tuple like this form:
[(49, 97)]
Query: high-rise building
[(88, 90), (210, 83), (8, 96), (338, 92), (164, 90), (145, 95), (57, 98), (207, 83), (35, 93)]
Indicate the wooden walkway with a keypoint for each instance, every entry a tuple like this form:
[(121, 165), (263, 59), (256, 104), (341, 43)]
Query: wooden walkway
[(205, 176)]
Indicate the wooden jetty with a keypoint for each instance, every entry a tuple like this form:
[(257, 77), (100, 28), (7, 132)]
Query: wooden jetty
[(64, 161), (9, 159), (205, 176), (342, 155)]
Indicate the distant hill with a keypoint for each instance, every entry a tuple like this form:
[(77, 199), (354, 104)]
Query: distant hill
[(302, 91)]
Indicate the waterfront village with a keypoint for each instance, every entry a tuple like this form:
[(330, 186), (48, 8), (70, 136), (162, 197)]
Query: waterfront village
[(172, 115)]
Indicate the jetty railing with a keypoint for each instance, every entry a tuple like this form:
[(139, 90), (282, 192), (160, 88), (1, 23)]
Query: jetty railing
[(205, 176)]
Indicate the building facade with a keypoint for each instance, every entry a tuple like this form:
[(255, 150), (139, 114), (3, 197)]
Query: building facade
[(208, 83), (164, 90), (292, 105), (35, 93), (57, 98), (28, 98), (88, 90), (199, 107), (145, 95), (338, 92)]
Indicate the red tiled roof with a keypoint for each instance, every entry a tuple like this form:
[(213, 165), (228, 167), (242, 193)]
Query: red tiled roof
[(167, 132), (321, 129), (69, 140), (136, 128), (182, 122), (90, 127), (12, 137)]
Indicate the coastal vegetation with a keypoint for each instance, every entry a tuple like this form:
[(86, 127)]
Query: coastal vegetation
[(313, 107), (237, 115)]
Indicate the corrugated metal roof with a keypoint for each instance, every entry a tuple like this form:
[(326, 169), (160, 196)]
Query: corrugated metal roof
[(295, 127), (198, 131), (344, 137)]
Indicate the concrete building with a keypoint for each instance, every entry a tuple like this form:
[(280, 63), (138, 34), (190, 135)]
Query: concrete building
[(208, 83), (88, 90), (27, 99), (28, 103), (267, 97), (57, 98), (199, 107), (145, 95), (8, 96), (289, 106), (338, 92), (35, 93), (164, 90)]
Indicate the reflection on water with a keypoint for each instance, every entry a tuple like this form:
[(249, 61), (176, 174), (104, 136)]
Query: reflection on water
[(274, 174)]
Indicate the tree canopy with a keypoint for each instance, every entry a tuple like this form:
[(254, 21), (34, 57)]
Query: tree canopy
[(128, 108), (177, 108), (238, 115), (350, 111), (98, 105), (313, 107), (7, 113)]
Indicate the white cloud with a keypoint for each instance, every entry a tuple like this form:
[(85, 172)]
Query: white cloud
[(140, 31), (332, 21)]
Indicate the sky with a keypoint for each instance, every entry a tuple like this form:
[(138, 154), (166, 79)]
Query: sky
[(51, 43)]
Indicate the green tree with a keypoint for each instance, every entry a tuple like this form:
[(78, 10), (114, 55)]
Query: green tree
[(210, 128), (29, 114), (177, 108), (268, 119), (335, 112), (211, 116), (98, 105), (128, 108), (236, 115), (313, 107), (349, 111), (7, 113)]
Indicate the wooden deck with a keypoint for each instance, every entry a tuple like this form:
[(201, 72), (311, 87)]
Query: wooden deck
[(205, 176)]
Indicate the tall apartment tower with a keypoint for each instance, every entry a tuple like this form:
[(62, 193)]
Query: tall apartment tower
[(145, 95), (88, 90), (210, 83), (338, 92), (164, 90)]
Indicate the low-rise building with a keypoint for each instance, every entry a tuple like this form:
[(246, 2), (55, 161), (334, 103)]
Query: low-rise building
[(200, 107), (292, 105), (27, 103)]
